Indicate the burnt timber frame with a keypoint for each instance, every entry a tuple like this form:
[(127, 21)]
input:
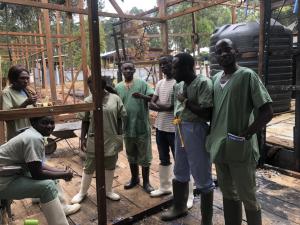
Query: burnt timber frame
[(93, 16)]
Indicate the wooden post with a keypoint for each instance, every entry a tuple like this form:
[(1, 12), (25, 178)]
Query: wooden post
[(98, 116), (44, 80), (119, 75), (38, 65), (233, 14), (193, 35), (83, 52), (32, 64), (49, 53), (27, 55), (2, 127), (70, 52), (163, 28), (59, 52), (297, 108)]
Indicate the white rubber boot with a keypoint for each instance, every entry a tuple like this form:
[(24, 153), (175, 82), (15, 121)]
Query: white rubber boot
[(109, 176), (85, 184), (165, 180), (54, 213), (71, 209), (190, 201)]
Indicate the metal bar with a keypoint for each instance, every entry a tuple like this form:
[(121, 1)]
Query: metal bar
[(98, 116)]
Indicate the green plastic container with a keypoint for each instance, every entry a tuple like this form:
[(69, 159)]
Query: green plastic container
[(31, 222)]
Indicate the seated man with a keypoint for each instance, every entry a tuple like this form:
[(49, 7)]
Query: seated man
[(36, 179)]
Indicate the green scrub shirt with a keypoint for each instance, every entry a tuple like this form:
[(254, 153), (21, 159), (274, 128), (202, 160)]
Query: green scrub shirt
[(233, 113), (200, 91), (138, 123), (113, 112)]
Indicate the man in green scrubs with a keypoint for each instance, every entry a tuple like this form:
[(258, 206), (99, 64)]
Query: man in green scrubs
[(135, 94), (232, 141)]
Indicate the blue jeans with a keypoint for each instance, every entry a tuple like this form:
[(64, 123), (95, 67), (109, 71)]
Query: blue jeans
[(193, 157), (165, 142)]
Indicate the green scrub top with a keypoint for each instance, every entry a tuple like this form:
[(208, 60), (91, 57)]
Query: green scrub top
[(113, 114), (200, 91), (138, 123), (10, 99), (233, 113), (27, 147)]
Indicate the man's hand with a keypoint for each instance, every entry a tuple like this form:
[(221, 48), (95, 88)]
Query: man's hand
[(180, 97), (153, 106), (31, 100), (68, 176), (137, 95)]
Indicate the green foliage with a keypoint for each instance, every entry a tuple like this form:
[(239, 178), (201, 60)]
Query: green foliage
[(285, 16), (206, 21)]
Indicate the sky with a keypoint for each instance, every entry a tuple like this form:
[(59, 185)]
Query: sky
[(129, 4)]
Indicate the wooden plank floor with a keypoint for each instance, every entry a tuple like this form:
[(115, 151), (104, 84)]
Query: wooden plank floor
[(280, 130), (278, 194)]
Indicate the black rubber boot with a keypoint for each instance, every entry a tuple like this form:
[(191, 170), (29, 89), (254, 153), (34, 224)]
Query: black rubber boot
[(146, 184), (135, 180), (207, 208), (232, 212), (253, 217), (178, 208)]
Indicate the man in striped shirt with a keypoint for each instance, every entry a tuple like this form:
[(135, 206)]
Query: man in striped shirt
[(165, 130)]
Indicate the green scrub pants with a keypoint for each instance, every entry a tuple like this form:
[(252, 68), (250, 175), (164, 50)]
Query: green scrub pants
[(26, 187), (237, 182), (138, 150)]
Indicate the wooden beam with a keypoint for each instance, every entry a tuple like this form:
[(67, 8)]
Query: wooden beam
[(98, 111), (72, 86), (67, 42), (44, 78), (59, 52), (11, 33), (202, 5), (21, 44), (116, 7), (233, 15), (83, 52), (14, 114), (134, 28), (49, 53), (63, 8), (27, 56), (163, 26)]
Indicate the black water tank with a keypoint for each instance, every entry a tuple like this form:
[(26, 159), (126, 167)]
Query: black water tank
[(246, 38)]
